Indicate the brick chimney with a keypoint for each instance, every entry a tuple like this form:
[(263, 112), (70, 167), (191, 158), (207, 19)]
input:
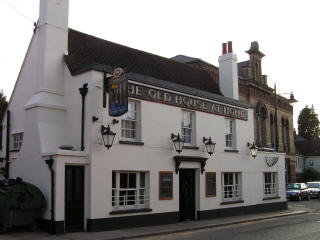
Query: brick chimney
[(228, 72)]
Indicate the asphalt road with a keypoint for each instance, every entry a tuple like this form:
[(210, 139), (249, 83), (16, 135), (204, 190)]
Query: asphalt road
[(302, 227)]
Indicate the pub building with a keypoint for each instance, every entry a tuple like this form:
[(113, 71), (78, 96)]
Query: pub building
[(183, 150)]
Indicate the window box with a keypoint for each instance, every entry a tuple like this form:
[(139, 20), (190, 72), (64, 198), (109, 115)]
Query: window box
[(116, 212), (131, 142), (191, 147)]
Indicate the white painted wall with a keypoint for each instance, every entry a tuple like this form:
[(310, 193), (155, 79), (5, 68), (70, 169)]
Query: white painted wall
[(158, 122), (313, 162), (228, 75), (47, 107)]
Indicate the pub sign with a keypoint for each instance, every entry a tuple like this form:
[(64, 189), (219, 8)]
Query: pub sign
[(118, 93)]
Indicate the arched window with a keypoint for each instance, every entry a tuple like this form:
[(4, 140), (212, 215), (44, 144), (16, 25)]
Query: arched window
[(261, 116)]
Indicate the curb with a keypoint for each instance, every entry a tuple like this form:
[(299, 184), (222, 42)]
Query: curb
[(254, 219)]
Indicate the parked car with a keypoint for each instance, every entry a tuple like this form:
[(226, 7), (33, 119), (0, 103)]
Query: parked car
[(314, 188), (298, 191)]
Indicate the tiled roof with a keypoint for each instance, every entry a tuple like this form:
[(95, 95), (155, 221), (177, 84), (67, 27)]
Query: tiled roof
[(85, 51), (185, 59)]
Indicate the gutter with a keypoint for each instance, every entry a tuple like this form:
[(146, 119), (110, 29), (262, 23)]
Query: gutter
[(7, 166), (83, 91), (49, 162)]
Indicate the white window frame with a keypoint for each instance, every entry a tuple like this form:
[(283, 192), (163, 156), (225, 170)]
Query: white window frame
[(131, 118), (17, 140), (230, 133), (270, 184), (190, 128), (231, 191), (140, 198)]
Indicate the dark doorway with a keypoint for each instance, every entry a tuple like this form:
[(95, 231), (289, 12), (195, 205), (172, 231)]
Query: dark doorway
[(74, 198), (187, 194)]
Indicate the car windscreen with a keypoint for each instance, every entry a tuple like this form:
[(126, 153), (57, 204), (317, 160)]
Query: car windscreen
[(313, 185), (294, 186)]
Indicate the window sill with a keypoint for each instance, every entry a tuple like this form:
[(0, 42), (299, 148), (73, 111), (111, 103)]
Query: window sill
[(131, 143), (116, 212), (270, 198), (15, 150), (191, 147), (231, 150), (265, 149), (232, 202)]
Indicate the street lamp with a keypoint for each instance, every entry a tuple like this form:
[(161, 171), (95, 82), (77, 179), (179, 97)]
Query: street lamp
[(209, 145), (178, 142), (107, 136), (253, 149)]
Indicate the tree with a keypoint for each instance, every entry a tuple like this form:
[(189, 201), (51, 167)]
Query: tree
[(310, 174), (3, 104), (308, 124)]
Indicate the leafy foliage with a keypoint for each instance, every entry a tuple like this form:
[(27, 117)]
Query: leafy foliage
[(308, 124), (3, 104), (310, 174)]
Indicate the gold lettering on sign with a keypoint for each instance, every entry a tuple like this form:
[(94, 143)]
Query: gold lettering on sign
[(130, 89), (243, 114), (178, 100), (166, 97), (205, 106), (237, 113), (173, 99), (185, 101), (152, 93), (199, 104), (193, 103), (215, 108), (139, 91)]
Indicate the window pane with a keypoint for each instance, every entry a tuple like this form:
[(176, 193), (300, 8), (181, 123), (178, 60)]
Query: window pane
[(123, 180), (132, 180), (113, 179), (122, 198), (131, 198), (142, 179)]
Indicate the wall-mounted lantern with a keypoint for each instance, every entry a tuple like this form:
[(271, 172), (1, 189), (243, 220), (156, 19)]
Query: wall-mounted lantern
[(209, 145), (178, 142), (253, 149), (107, 136)]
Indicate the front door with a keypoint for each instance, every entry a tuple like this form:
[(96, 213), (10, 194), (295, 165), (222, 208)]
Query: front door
[(187, 194), (74, 198)]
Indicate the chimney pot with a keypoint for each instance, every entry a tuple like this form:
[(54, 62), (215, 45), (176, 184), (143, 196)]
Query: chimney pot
[(224, 48), (229, 47)]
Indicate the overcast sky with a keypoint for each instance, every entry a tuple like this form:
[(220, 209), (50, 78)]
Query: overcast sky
[(287, 33)]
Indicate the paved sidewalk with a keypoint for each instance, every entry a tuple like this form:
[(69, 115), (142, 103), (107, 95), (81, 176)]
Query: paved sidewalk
[(155, 230)]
